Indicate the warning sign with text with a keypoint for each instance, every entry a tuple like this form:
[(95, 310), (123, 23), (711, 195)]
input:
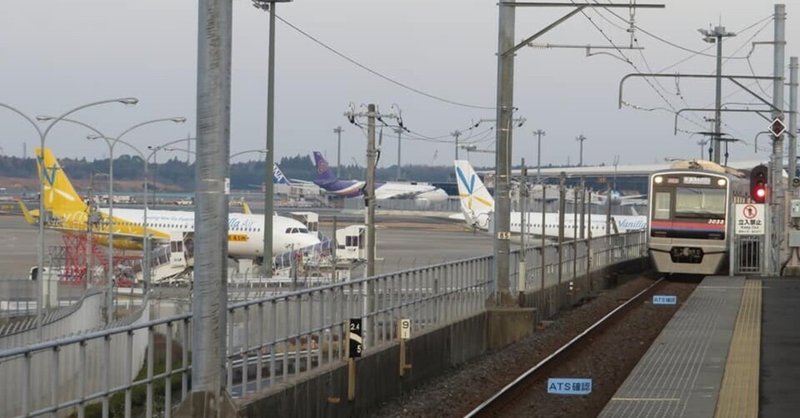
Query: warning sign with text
[(750, 219)]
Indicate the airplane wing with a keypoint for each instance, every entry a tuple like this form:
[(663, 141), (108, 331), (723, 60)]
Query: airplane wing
[(633, 202), (401, 191)]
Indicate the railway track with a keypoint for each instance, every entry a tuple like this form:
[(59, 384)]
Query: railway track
[(516, 398)]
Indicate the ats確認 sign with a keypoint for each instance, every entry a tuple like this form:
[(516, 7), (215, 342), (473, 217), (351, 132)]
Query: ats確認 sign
[(750, 219)]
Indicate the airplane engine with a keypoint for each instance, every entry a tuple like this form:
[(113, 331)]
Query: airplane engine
[(433, 196)]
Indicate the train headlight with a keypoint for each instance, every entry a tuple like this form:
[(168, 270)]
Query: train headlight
[(658, 180), (721, 182)]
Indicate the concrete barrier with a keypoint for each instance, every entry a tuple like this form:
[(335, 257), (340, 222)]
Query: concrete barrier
[(377, 375)]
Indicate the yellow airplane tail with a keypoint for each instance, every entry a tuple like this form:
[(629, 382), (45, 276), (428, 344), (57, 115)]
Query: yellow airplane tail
[(60, 197), (31, 216), (246, 208)]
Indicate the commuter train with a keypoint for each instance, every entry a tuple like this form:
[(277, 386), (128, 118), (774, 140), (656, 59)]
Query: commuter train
[(691, 220)]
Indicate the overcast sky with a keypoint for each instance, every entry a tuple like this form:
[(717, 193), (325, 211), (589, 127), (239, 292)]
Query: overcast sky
[(56, 55)]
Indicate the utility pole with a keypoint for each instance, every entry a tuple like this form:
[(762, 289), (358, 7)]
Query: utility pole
[(371, 190), (372, 115), (711, 37), (776, 199), (399, 132), (456, 134), (338, 131), (539, 133), (580, 138)]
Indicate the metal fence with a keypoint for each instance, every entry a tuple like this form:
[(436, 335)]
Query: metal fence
[(284, 336)]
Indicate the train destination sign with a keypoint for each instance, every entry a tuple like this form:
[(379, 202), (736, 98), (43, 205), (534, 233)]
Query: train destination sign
[(664, 300), (569, 386), (750, 219)]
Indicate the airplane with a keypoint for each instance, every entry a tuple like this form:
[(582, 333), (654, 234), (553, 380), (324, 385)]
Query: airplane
[(69, 213), (423, 193), (477, 205), (601, 199)]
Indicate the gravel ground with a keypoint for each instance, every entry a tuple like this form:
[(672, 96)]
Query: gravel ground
[(459, 391)]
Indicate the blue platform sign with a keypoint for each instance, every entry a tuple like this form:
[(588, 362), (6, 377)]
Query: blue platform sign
[(569, 386), (664, 300)]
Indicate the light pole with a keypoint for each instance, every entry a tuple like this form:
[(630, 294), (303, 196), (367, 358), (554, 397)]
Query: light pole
[(269, 189), (580, 138), (456, 134), (539, 134), (712, 36), (145, 234), (112, 142), (338, 131), (42, 138), (399, 132)]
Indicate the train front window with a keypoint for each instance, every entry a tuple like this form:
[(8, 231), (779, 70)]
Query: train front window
[(661, 205), (699, 202)]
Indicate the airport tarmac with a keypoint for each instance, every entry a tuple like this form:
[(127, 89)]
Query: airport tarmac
[(404, 242)]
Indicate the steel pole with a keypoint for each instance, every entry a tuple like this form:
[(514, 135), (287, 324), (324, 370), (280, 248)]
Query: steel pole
[(399, 141), (209, 304), (505, 107), (269, 188), (338, 131), (776, 177), (110, 272), (371, 191), (539, 133), (718, 101)]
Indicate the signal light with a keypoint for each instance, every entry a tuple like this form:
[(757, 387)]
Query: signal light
[(759, 177)]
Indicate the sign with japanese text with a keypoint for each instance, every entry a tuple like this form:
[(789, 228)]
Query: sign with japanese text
[(750, 219)]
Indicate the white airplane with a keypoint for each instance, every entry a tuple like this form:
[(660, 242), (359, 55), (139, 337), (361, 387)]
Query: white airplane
[(477, 205), (423, 193), (70, 215), (601, 199)]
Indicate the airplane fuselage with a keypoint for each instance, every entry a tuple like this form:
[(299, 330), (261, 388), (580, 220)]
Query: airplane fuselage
[(245, 231)]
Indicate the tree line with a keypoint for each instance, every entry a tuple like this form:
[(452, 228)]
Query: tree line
[(177, 174)]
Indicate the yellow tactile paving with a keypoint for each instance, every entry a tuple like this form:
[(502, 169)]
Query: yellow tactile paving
[(738, 396)]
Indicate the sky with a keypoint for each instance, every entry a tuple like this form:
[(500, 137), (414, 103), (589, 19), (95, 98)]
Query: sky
[(56, 55)]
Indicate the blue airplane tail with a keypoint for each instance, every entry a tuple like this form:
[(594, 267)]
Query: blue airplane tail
[(278, 177)]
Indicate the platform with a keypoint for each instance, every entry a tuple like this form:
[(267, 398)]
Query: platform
[(682, 373)]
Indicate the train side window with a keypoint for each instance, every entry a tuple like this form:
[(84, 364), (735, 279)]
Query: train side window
[(662, 205)]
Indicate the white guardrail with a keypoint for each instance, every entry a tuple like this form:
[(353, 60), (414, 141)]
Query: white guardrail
[(270, 340)]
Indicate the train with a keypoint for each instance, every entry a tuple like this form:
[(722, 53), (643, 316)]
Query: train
[(690, 220)]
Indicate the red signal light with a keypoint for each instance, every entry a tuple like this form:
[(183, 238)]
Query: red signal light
[(759, 193)]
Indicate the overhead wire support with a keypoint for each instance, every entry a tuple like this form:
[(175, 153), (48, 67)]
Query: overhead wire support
[(589, 49), (501, 289), (759, 112), (578, 8), (732, 78)]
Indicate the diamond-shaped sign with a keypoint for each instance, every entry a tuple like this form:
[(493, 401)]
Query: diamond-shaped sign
[(777, 127)]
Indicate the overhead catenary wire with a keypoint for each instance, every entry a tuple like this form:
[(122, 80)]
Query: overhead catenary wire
[(380, 75), (673, 44), (635, 67)]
